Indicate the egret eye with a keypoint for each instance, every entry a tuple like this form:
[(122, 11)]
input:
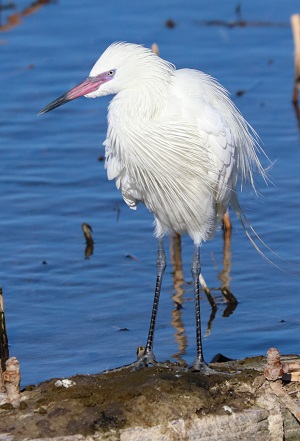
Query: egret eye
[(111, 73)]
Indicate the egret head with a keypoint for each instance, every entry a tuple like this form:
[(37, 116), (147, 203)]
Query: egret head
[(121, 66)]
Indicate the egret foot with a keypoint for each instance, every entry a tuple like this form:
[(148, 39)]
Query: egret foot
[(144, 359), (201, 366)]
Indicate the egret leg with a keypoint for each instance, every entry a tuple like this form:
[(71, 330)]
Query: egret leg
[(147, 356), (199, 363)]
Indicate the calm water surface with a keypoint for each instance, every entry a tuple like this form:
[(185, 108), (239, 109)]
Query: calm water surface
[(65, 314)]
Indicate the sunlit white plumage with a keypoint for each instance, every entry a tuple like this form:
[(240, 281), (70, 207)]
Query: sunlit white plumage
[(175, 142)]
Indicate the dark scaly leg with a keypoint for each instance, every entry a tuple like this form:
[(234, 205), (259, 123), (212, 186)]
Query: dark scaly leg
[(147, 357), (199, 363)]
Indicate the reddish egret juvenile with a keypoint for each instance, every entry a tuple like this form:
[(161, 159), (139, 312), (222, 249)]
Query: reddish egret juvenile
[(177, 143)]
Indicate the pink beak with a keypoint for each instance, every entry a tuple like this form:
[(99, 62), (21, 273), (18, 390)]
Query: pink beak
[(89, 85)]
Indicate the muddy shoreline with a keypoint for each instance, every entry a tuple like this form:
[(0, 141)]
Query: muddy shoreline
[(156, 403)]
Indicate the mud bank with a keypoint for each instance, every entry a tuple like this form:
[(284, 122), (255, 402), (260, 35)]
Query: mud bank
[(157, 403)]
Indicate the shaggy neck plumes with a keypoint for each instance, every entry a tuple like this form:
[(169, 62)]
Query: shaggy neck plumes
[(142, 82), (144, 102)]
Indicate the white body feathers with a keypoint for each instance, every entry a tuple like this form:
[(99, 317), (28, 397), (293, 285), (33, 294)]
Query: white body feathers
[(175, 141)]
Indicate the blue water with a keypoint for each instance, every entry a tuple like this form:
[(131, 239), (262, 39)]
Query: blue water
[(65, 313)]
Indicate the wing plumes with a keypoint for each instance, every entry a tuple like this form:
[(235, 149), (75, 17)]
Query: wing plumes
[(219, 118), (250, 231), (248, 147)]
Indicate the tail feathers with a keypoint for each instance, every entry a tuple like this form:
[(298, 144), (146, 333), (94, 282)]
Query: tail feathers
[(250, 231)]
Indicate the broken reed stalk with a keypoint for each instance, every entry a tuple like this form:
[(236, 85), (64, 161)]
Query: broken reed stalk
[(295, 22), (4, 353)]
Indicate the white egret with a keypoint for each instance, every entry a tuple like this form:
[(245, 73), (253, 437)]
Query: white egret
[(175, 142)]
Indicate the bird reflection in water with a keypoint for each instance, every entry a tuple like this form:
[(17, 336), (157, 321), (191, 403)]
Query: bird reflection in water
[(179, 291), (178, 280)]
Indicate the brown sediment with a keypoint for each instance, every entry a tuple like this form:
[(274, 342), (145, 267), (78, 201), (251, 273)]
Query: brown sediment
[(154, 403)]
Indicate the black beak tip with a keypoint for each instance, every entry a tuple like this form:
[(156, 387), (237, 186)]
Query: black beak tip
[(45, 110), (42, 112), (54, 104)]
